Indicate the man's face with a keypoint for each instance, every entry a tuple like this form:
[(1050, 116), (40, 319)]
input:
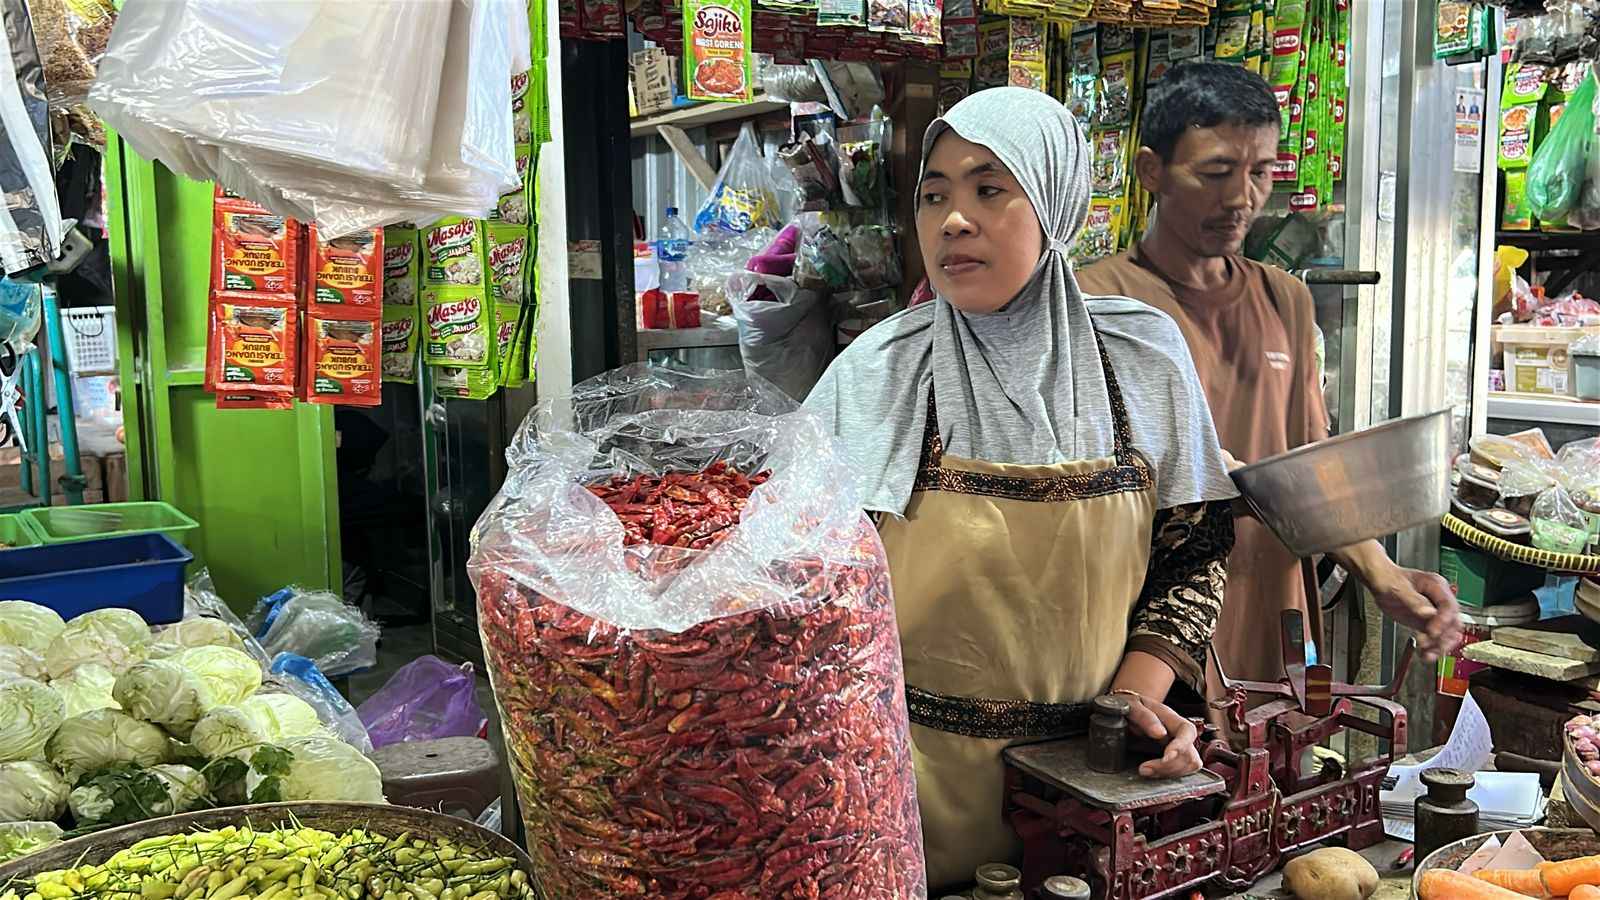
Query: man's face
[(1216, 184)]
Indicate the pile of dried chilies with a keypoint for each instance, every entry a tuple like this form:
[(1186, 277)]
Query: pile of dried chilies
[(761, 754)]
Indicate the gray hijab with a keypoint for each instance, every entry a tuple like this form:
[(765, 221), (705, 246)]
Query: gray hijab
[(1024, 385)]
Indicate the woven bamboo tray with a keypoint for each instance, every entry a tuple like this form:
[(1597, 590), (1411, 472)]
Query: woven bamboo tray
[(1567, 563), (92, 849)]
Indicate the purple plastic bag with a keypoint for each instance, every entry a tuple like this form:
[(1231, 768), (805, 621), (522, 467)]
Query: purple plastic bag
[(426, 699)]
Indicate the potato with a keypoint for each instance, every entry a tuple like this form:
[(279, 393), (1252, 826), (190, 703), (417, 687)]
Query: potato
[(1332, 873)]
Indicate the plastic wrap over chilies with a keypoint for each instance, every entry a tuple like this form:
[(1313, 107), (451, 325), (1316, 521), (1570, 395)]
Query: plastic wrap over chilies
[(350, 113), (689, 629)]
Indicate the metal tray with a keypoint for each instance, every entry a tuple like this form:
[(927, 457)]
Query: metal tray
[(1553, 844)]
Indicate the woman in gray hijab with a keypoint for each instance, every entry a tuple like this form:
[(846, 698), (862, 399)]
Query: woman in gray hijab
[(1055, 506)]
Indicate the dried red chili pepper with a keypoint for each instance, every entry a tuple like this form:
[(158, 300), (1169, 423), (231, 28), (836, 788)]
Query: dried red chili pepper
[(757, 756)]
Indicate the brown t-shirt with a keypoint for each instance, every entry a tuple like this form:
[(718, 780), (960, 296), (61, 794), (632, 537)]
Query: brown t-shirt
[(1254, 345)]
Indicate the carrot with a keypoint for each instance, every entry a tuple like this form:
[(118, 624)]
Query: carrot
[(1523, 881), (1584, 892), (1446, 884), (1561, 877)]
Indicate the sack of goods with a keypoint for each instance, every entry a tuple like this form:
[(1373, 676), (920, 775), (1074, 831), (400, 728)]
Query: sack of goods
[(349, 113), (689, 628)]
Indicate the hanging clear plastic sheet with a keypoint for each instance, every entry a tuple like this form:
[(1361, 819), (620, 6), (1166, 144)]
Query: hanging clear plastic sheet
[(30, 220)]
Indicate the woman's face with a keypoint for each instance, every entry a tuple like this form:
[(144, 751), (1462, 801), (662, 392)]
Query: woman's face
[(980, 237)]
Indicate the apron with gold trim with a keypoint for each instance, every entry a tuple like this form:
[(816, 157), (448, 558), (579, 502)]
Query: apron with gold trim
[(1013, 588)]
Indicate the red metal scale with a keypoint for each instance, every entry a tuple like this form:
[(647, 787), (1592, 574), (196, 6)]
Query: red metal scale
[(1227, 825)]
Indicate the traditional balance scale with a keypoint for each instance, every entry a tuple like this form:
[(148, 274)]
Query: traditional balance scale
[(1230, 823)]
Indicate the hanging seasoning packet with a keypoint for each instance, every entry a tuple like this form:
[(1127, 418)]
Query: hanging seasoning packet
[(1027, 47), (843, 13), (457, 330), (346, 273), (716, 50), (1107, 169), (1284, 71), (508, 263), (255, 252), (507, 325), (399, 336), (464, 384), (255, 345), (343, 361), (402, 266), (990, 69), (1116, 90), (926, 22), (1183, 44)]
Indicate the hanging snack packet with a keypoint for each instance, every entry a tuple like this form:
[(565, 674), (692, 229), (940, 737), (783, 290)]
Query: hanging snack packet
[(927, 22), (453, 253), (1098, 239), (1027, 48), (1116, 91), (990, 69), (402, 267), (955, 81), (1233, 37), (1525, 86), (254, 252), (255, 345), (346, 274), (1116, 39), (814, 164), (1183, 44), (343, 360), (846, 13), (1085, 52), (508, 263), (888, 16), (464, 384), (399, 336), (716, 49), (959, 21), (1107, 165), (456, 327)]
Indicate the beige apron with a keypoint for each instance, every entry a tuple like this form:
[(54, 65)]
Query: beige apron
[(1013, 587)]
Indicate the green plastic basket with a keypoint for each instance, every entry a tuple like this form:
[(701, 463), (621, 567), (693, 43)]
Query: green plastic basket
[(16, 533), (65, 524)]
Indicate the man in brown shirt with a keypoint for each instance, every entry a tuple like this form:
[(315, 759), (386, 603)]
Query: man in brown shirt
[(1210, 134)]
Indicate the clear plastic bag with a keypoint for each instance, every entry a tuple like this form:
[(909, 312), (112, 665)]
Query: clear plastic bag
[(680, 687), (713, 263), (72, 36), (316, 625), (744, 196), (426, 699), (293, 674), (200, 600), (1558, 525), (793, 84), (1556, 176), (351, 113)]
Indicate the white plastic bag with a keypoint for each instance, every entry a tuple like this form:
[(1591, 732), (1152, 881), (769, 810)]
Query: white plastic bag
[(351, 113), (786, 338)]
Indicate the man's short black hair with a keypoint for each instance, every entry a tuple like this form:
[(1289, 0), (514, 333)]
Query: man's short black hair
[(1204, 95)]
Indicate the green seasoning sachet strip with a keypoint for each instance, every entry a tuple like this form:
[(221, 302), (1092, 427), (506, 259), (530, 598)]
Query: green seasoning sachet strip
[(1290, 16), (1520, 113), (1453, 27), (716, 50), (1340, 99)]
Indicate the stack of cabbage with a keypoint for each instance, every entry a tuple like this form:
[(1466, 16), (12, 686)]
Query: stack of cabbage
[(108, 722)]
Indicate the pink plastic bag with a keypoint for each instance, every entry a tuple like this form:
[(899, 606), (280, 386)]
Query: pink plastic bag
[(426, 699)]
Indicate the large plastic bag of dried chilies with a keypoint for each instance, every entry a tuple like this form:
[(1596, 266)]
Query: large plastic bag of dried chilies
[(689, 629)]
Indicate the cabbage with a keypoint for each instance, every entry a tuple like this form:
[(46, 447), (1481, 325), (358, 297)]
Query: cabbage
[(20, 662), (86, 688), (227, 675), (163, 692), (116, 797), (114, 638), (282, 716), (326, 768), (105, 737), (185, 786), (30, 711), (28, 625), (18, 839), (31, 790), (201, 632), (228, 731)]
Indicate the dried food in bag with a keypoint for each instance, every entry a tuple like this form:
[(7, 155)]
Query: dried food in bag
[(688, 623), (861, 173), (344, 361), (744, 195), (456, 327), (72, 36), (399, 336), (1557, 524), (874, 259), (823, 261), (346, 273)]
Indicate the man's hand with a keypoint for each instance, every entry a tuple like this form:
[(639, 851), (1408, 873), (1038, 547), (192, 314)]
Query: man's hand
[(1424, 603), (1158, 721)]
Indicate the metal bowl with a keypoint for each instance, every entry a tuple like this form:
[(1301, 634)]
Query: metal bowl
[(96, 848), (1356, 486), (1554, 844)]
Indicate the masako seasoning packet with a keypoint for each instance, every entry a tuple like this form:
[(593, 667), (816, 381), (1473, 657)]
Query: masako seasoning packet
[(457, 329), (453, 253), (346, 276)]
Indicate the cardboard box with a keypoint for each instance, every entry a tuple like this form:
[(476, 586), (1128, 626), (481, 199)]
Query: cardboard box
[(652, 81), (1537, 360)]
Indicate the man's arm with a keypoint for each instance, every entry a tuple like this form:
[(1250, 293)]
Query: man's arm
[(1421, 601)]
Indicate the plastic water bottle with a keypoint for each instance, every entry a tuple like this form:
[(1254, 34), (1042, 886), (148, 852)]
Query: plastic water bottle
[(672, 250)]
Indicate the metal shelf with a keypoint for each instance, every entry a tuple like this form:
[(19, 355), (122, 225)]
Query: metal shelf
[(686, 338), (1533, 409), (703, 114)]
